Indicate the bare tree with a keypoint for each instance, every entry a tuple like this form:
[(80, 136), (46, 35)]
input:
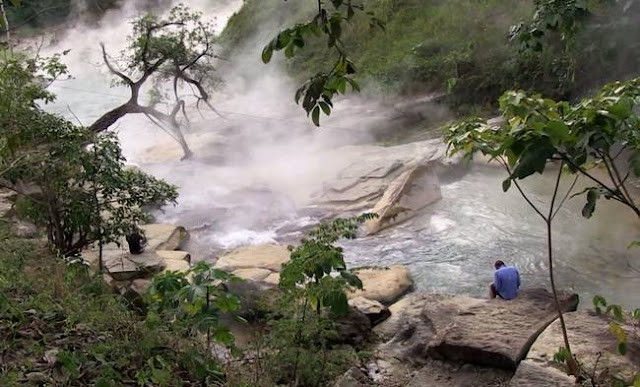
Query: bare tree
[(176, 50)]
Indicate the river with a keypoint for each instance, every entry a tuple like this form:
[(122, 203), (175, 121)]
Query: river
[(250, 186)]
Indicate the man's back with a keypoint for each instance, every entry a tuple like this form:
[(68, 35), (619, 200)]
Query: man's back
[(507, 282)]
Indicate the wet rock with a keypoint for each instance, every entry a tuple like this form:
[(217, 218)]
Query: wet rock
[(362, 184), (270, 257), (533, 374), (590, 339), (385, 285), (375, 311), (404, 197), (354, 377), (164, 236), (498, 333)]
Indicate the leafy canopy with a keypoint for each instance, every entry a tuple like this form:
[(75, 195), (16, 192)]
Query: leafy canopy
[(596, 132)]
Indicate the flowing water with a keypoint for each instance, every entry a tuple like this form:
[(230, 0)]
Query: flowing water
[(249, 186)]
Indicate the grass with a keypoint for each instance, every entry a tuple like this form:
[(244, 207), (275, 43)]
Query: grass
[(58, 326)]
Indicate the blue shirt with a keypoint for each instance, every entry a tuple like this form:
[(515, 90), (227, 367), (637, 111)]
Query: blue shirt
[(507, 281)]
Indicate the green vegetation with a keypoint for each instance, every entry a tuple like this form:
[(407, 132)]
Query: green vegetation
[(61, 327), (457, 47), (71, 181)]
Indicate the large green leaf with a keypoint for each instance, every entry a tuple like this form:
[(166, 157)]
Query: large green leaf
[(592, 197), (533, 159)]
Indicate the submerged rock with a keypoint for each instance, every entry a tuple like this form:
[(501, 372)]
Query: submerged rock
[(591, 341), (385, 285)]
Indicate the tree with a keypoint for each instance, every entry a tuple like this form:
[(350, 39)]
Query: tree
[(177, 49), (593, 133), (70, 180), (318, 92)]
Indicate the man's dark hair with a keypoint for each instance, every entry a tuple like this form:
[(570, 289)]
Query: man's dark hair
[(498, 264)]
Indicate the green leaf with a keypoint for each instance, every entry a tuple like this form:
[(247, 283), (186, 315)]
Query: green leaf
[(636, 383), (325, 107), (592, 197), (267, 53), (533, 159), (315, 116), (558, 131), (506, 185), (622, 348)]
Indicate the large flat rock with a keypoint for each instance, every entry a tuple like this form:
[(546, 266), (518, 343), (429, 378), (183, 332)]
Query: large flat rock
[(590, 339), (498, 333), (269, 257), (416, 323), (385, 285)]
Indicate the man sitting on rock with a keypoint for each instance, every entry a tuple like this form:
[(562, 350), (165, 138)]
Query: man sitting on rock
[(506, 282), (136, 240)]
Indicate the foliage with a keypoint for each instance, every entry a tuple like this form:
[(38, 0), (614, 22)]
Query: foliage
[(316, 258), (71, 181), (595, 132), (302, 330), (192, 302), (59, 326), (319, 91), (620, 316)]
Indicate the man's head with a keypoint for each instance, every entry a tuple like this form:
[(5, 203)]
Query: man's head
[(498, 264)]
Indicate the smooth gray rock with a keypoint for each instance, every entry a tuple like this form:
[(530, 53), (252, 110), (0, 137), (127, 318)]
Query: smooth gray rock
[(532, 374)]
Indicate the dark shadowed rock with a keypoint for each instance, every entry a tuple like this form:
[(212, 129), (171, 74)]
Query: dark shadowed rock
[(532, 374), (375, 311), (353, 329), (591, 341), (497, 333)]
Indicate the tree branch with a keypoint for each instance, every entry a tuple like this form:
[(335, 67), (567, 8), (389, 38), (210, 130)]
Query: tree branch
[(113, 70)]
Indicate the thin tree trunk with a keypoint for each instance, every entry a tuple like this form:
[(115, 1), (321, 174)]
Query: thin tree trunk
[(5, 21)]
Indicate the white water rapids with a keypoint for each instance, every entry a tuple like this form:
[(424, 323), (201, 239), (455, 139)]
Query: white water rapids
[(255, 168)]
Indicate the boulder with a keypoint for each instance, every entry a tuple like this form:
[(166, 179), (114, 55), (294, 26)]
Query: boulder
[(375, 311), (589, 336), (362, 184), (272, 279), (532, 374), (253, 274), (175, 260), (25, 229), (353, 329), (498, 333), (164, 236), (413, 190), (385, 285), (122, 265), (269, 256), (416, 323), (140, 286)]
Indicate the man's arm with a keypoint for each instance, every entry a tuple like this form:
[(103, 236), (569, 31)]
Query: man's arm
[(497, 281), (518, 276)]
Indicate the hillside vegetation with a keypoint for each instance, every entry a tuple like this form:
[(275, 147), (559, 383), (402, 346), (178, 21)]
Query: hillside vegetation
[(458, 47)]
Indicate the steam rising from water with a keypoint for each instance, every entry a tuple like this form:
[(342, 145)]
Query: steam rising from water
[(256, 167)]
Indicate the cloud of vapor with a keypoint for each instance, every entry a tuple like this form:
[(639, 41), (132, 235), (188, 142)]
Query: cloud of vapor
[(256, 164)]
